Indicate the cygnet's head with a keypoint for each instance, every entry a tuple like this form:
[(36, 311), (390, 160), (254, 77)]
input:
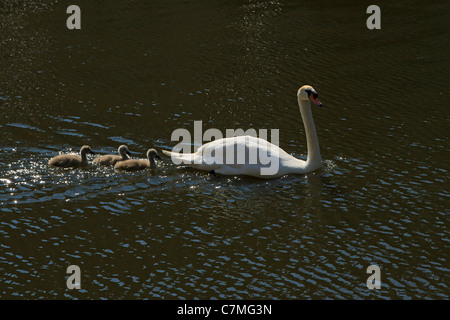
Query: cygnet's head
[(86, 149), (152, 154), (123, 149)]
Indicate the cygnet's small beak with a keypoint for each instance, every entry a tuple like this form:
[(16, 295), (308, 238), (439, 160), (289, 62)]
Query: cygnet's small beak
[(157, 157), (128, 153)]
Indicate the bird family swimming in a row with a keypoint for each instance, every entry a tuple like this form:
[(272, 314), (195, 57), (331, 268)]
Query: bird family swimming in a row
[(121, 161), (283, 163)]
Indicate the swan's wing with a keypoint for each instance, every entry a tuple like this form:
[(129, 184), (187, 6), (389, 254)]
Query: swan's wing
[(246, 155), (241, 150), (236, 155)]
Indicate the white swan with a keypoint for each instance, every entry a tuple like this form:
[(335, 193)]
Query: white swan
[(207, 156)]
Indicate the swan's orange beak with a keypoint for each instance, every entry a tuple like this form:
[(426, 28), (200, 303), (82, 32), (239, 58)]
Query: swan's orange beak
[(315, 100)]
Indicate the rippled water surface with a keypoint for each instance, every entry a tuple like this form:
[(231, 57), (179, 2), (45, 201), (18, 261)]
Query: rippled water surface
[(138, 70)]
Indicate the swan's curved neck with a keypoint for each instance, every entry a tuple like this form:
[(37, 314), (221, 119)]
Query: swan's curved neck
[(314, 160)]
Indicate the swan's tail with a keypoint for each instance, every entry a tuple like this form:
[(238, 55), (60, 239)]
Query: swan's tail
[(179, 158)]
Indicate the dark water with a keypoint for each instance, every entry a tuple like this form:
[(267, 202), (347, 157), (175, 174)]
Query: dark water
[(138, 70)]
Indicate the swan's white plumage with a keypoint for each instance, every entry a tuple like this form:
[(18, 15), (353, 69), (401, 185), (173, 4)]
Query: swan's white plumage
[(213, 155)]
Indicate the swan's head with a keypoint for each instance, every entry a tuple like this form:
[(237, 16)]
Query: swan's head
[(308, 93), (123, 149)]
